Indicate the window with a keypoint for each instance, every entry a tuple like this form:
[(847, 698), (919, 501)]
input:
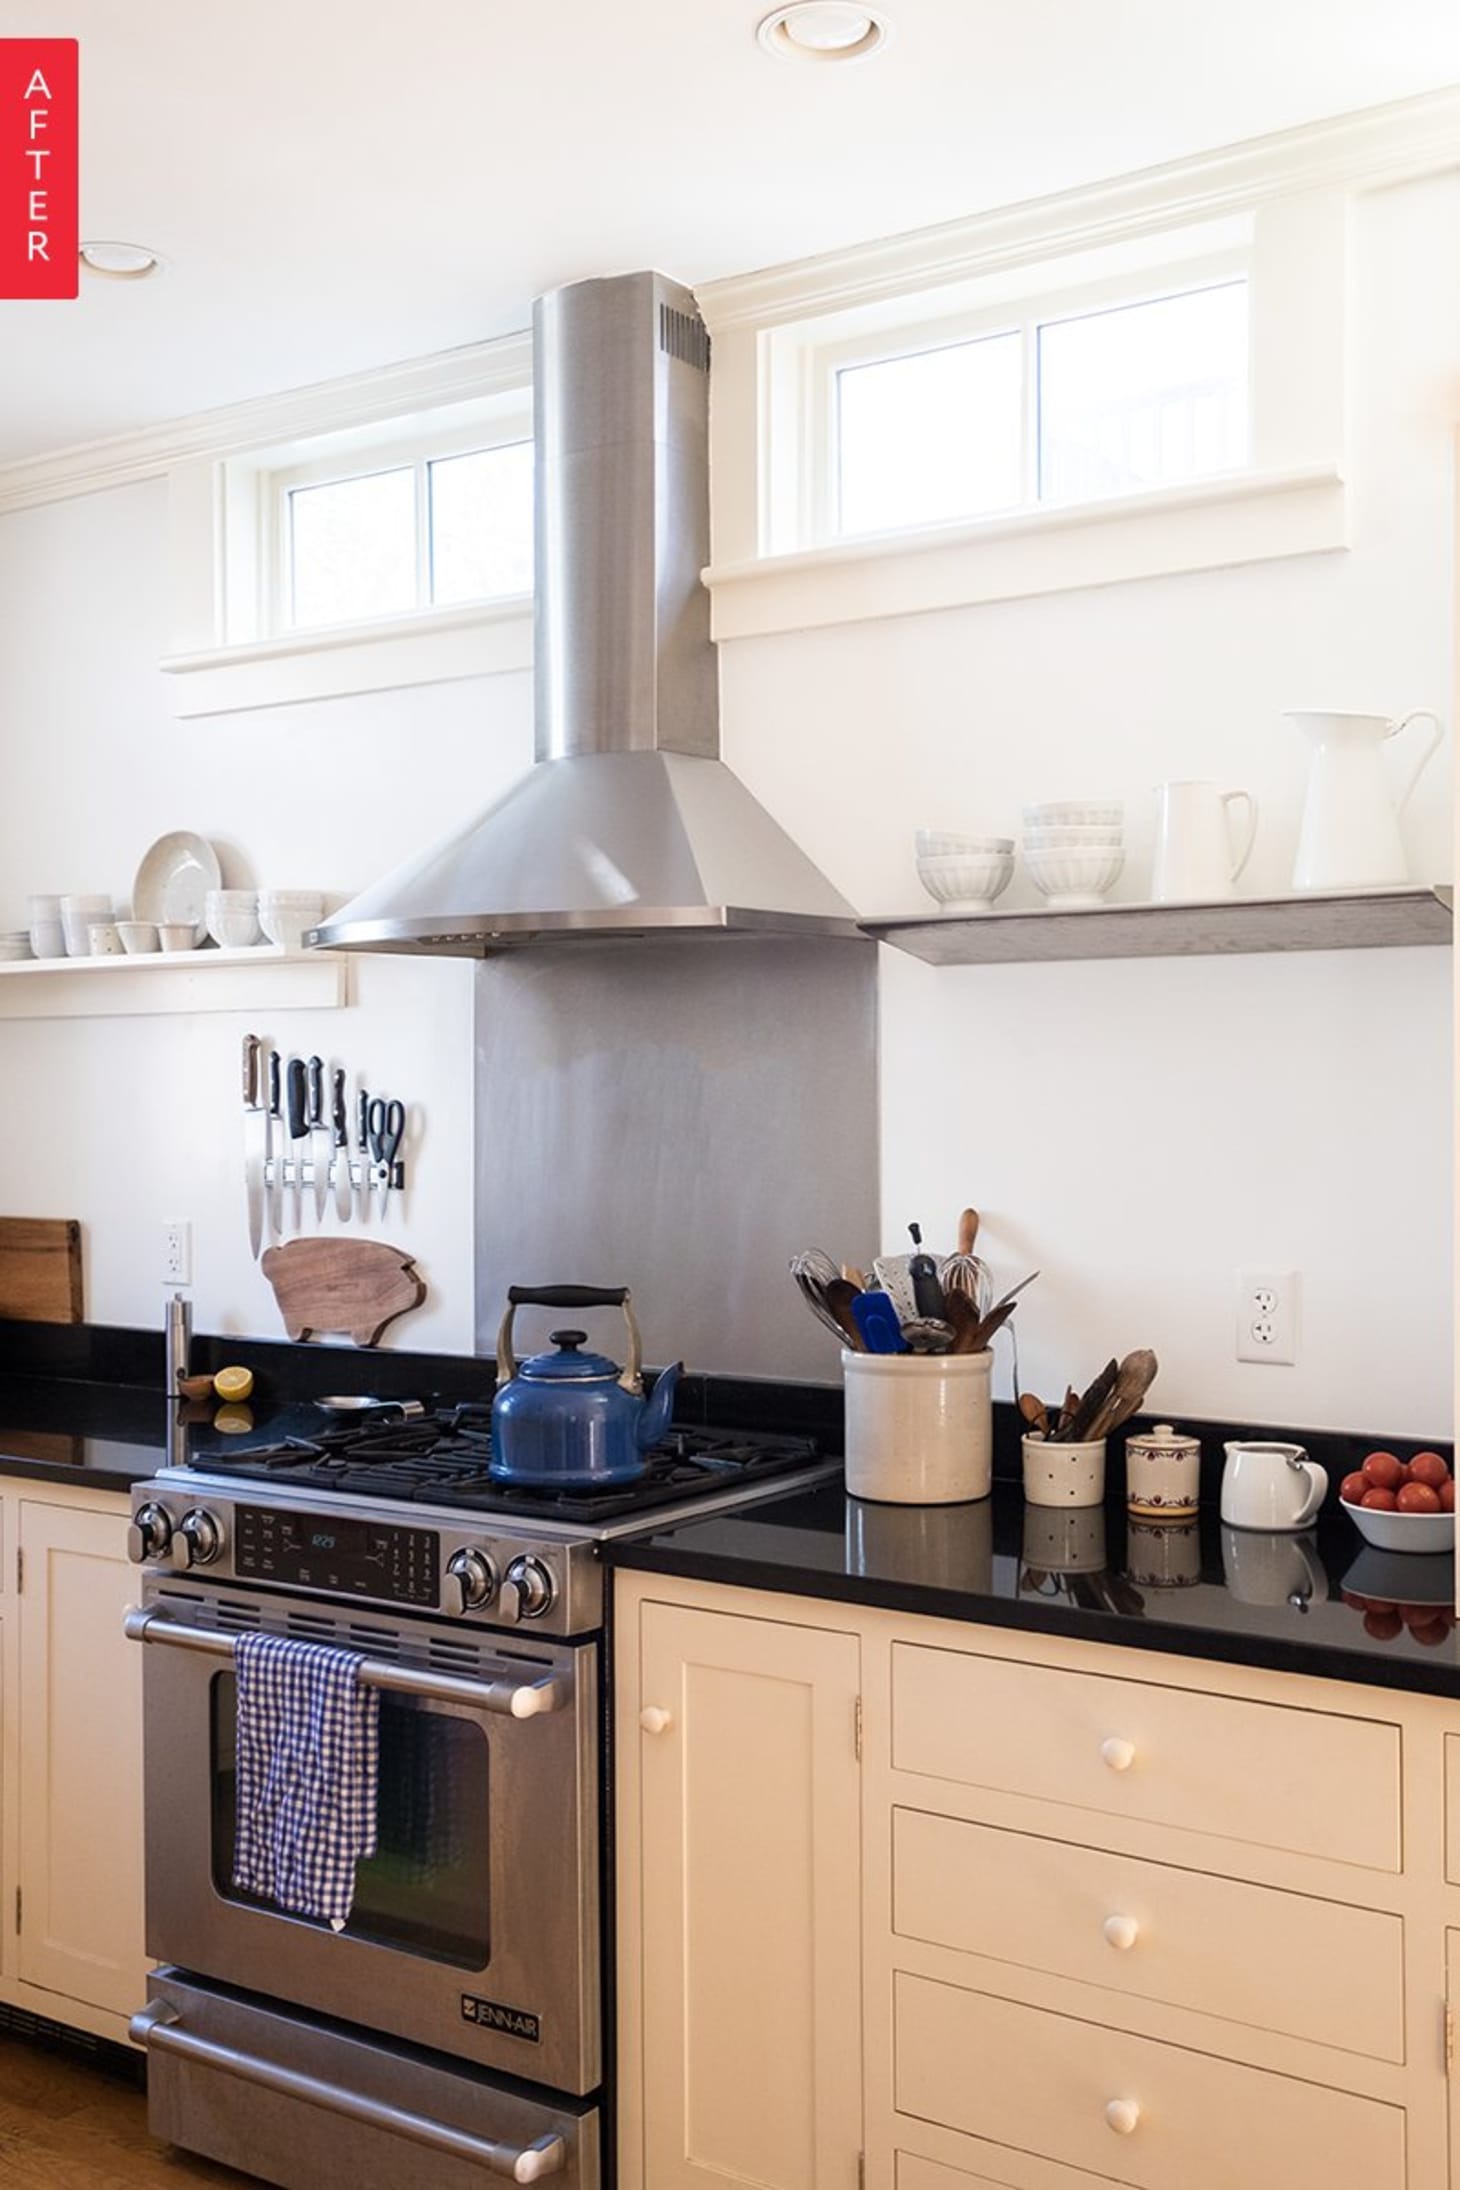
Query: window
[(437, 531), (1146, 392)]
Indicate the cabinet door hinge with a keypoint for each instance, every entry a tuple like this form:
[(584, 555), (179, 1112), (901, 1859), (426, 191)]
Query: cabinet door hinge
[(857, 1729)]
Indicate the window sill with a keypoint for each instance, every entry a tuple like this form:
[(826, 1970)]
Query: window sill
[(447, 643), (1253, 517)]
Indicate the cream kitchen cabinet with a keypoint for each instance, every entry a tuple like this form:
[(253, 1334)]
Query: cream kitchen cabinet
[(70, 1760), (739, 1901), (1127, 1918)]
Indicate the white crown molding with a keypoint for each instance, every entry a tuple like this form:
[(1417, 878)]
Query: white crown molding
[(477, 370), (1375, 146)]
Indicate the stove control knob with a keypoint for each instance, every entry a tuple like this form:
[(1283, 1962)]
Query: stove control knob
[(527, 1591), (471, 1581), (149, 1535), (197, 1540)]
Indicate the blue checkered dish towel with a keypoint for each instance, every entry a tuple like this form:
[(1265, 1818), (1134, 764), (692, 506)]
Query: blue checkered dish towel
[(308, 1773)]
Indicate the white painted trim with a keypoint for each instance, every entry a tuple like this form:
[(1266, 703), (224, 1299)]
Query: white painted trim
[(1376, 146), (328, 406), (1252, 517), (435, 647), (257, 980)]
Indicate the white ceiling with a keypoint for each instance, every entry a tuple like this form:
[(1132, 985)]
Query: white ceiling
[(336, 186)]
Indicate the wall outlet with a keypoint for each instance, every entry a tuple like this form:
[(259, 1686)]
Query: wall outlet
[(1267, 1316), (177, 1254)]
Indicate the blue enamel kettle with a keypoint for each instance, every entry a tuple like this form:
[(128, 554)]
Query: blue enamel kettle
[(568, 1420)]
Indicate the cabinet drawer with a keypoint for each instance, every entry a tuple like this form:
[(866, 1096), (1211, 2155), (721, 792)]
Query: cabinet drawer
[(914, 2173), (1154, 2115), (1256, 1772), (1277, 1961)]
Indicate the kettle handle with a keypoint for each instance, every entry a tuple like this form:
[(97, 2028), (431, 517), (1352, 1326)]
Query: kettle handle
[(1421, 714), (571, 1296)]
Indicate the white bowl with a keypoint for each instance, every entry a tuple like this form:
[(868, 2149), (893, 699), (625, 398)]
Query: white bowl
[(1071, 840), (1403, 1531), (1075, 813), (230, 901), (1075, 880), (177, 935), (285, 914), (943, 844), (138, 936), (967, 882)]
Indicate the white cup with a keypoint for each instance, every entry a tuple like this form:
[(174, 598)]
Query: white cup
[(1195, 859), (47, 932), (103, 939), (77, 914), (1059, 1474), (919, 1427)]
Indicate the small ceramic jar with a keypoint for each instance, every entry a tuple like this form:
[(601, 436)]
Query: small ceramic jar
[(1162, 1474), (1057, 1474), (1163, 1554)]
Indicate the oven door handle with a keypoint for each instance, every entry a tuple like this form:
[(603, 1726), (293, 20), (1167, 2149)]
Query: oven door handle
[(158, 2028), (511, 1698)]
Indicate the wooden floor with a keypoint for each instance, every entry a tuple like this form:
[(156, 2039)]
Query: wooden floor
[(66, 2125)]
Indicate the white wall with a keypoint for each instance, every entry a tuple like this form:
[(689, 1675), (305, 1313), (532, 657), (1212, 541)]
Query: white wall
[(1138, 1130), (128, 1123)]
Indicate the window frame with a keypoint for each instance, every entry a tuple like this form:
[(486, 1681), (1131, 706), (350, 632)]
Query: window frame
[(1041, 307)]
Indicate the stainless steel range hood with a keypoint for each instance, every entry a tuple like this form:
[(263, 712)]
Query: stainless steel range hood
[(630, 823)]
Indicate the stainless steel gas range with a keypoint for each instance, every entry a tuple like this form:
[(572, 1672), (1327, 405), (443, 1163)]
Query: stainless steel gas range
[(456, 2025)]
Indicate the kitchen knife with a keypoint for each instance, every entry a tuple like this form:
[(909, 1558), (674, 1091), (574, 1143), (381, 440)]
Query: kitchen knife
[(318, 1123), (344, 1186), (255, 1140), (362, 1136), (297, 1095), (275, 1143)]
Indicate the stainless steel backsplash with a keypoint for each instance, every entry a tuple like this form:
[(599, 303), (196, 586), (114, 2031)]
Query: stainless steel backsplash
[(678, 1117)]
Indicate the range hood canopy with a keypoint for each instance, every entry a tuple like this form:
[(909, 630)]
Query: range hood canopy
[(630, 823)]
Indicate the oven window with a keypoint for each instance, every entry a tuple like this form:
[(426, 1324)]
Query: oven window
[(427, 1887)]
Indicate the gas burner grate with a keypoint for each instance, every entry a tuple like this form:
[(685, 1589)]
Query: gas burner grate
[(444, 1460)]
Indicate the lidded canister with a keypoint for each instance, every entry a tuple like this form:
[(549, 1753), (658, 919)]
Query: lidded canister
[(1162, 1474)]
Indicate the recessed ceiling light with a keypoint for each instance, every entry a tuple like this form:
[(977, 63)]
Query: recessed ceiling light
[(120, 261), (823, 30)]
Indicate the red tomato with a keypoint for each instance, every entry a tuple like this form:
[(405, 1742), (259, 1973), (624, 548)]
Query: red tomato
[(1351, 1489), (1420, 1615), (1384, 1471), (1432, 1634), (1418, 1498), (1447, 1497), (1383, 1626), (1378, 1501), (1428, 1467)]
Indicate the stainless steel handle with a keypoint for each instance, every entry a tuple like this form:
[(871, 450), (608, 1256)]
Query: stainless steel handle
[(513, 1699), (158, 2028)]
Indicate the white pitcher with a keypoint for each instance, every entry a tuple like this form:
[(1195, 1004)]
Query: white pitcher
[(1195, 861), (1350, 835)]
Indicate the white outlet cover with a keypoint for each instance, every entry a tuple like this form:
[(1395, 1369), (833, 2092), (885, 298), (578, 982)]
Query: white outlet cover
[(1267, 1317)]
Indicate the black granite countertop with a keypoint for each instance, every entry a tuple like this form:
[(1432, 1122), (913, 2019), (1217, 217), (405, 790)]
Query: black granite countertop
[(1197, 1590)]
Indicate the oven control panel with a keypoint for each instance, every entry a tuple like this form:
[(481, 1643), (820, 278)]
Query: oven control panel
[(334, 1552)]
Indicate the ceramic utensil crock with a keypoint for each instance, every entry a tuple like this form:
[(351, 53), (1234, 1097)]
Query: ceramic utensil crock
[(1064, 1474), (1268, 1486), (919, 1427)]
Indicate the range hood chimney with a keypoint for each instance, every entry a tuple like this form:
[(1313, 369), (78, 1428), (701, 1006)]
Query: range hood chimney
[(630, 823)]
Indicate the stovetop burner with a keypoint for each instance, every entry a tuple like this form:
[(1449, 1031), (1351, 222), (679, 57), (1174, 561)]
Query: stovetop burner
[(443, 1461)]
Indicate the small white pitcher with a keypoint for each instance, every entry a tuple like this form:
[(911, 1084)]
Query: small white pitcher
[(1271, 1486), (1195, 861), (1350, 835)]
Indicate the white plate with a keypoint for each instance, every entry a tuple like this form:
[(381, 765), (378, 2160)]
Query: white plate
[(175, 876)]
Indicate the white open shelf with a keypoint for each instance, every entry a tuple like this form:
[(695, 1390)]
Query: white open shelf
[(260, 979), (1349, 920)]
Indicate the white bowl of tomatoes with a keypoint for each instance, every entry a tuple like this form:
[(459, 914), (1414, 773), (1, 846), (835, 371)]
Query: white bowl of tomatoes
[(1402, 1505)]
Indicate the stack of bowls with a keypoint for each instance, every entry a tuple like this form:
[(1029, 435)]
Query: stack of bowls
[(964, 873), (15, 943), (285, 914), (1074, 850), (232, 918)]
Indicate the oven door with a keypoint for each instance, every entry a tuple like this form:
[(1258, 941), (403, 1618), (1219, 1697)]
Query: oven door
[(475, 1927)]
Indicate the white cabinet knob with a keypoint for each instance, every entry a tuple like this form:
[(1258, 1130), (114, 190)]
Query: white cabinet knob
[(1121, 1931), (1119, 1755), (1122, 2115), (655, 1721)]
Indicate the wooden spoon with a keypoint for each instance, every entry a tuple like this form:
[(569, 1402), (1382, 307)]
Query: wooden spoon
[(963, 1317), (1078, 1428), (839, 1295), (1035, 1413), (1134, 1378)]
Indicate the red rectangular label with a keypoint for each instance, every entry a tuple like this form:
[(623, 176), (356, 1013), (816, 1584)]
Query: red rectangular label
[(38, 167)]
